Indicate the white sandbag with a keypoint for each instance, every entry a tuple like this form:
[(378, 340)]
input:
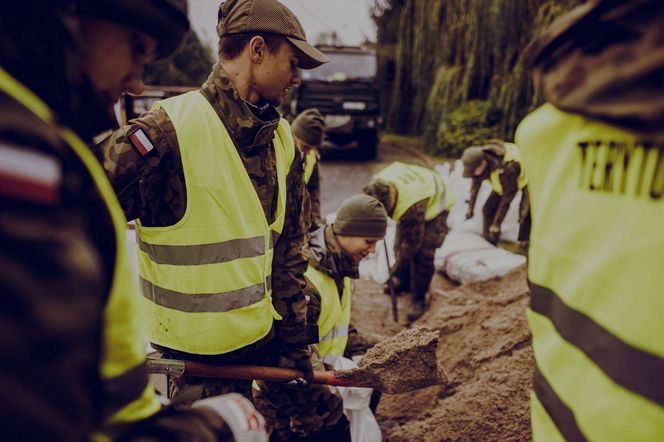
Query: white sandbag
[(467, 257), (363, 424)]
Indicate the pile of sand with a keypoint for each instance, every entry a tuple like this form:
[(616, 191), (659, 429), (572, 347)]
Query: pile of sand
[(484, 349)]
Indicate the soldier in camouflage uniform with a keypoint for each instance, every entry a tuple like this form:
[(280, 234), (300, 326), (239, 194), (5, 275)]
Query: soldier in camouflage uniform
[(336, 251), (60, 232), (480, 163), (416, 241), (308, 132), (152, 185)]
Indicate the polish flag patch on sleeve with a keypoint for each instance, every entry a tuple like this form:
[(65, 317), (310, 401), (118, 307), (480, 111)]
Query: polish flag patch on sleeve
[(141, 142), (27, 175)]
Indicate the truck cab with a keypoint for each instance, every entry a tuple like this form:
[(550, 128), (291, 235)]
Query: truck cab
[(345, 92)]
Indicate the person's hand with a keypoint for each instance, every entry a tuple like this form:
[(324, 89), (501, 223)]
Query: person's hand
[(299, 358), (246, 424), (494, 234), (469, 214)]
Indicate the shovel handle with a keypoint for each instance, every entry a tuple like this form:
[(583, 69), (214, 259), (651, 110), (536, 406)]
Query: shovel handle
[(175, 367)]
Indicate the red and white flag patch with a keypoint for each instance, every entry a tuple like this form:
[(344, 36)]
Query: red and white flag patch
[(141, 142), (29, 175)]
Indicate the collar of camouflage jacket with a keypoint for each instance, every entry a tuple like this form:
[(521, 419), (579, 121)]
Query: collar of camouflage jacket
[(328, 257), (251, 127), (605, 61)]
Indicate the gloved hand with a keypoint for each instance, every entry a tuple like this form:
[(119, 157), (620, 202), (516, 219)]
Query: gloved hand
[(494, 234), (247, 424), (469, 213), (299, 358)]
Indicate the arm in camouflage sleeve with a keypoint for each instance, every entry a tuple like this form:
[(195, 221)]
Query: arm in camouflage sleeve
[(409, 233), (509, 180), (314, 196), (53, 273), (52, 295), (130, 172), (289, 265), (474, 190)]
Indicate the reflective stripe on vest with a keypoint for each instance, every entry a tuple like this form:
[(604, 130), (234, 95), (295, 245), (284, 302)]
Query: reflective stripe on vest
[(512, 153), (207, 279), (310, 161), (128, 395), (414, 184), (334, 314), (596, 278)]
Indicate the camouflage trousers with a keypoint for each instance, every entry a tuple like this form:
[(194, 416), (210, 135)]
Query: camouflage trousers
[(416, 274), (302, 413)]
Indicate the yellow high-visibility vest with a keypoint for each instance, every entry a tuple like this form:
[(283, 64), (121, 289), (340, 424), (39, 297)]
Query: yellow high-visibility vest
[(413, 184), (595, 268), (206, 280), (310, 161), (122, 356), (334, 314), (512, 153)]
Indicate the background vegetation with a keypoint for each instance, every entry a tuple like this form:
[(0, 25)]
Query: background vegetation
[(452, 70)]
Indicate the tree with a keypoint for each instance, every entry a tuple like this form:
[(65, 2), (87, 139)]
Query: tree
[(190, 67)]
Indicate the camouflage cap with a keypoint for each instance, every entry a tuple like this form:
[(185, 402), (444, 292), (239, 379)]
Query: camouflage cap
[(383, 192), (270, 17), (471, 157), (164, 20), (309, 127)]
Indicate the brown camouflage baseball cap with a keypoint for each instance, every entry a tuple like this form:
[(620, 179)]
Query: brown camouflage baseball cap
[(270, 17)]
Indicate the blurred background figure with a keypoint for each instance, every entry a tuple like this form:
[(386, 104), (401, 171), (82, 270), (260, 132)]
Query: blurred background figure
[(308, 133), (501, 164)]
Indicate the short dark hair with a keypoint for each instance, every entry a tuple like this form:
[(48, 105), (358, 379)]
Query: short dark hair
[(230, 46)]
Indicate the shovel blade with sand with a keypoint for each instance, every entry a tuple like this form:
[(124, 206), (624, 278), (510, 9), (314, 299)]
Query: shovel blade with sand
[(402, 363)]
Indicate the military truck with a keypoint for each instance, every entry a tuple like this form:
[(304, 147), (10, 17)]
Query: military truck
[(345, 92)]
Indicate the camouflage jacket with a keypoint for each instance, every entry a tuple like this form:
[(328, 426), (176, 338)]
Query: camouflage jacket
[(313, 189), (326, 255), (152, 188), (509, 180), (57, 254), (604, 60)]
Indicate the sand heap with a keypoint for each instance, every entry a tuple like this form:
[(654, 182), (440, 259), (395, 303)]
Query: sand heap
[(485, 351)]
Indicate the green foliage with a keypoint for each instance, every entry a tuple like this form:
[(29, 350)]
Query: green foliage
[(190, 67), (447, 53), (472, 123)]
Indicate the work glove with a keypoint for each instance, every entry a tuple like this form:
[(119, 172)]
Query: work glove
[(494, 234), (299, 358), (246, 424)]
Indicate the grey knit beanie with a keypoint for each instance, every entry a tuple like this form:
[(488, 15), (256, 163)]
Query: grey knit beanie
[(361, 215), (309, 127)]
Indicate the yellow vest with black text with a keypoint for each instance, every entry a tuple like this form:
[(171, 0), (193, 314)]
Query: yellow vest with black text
[(512, 153), (310, 161), (414, 184), (595, 269), (130, 397), (334, 314), (206, 280)]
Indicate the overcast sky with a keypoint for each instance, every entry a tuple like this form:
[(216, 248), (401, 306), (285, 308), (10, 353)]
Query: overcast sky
[(349, 18)]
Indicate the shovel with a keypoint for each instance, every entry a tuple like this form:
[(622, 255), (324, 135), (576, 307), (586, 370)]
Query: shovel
[(403, 363)]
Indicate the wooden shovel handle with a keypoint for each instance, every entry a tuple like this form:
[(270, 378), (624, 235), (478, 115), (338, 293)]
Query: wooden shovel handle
[(176, 367)]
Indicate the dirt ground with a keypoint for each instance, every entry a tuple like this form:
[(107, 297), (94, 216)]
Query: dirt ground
[(484, 349)]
